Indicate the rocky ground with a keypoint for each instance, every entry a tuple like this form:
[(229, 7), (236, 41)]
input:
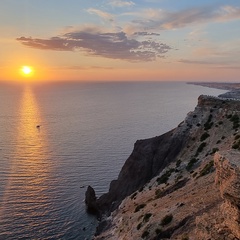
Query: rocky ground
[(182, 195)]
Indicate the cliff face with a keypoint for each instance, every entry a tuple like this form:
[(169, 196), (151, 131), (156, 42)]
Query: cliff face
[(224, 222), (228, 177), (166, 187), (149, 158)]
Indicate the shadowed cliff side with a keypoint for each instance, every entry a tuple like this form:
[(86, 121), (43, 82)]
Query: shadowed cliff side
[(148, 158)]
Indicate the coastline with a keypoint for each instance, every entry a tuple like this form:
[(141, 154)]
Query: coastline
[(233, 89), (218, 85), (112, 202)]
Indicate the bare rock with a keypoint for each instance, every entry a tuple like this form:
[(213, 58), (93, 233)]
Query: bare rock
[(90, 200), (228, 177), (149, 157)]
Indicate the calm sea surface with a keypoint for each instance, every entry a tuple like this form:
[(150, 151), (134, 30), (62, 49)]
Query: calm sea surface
[(87, 131)]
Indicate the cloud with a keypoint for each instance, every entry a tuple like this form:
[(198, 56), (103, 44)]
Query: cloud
[(54, 43), (146, 34), (104, 15), (114, 45), (160, 19), (121, 3), (84, 67), (228, 64), (198, 62), (229, 67)]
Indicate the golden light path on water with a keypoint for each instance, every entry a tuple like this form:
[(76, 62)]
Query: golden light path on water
[(26, 197)]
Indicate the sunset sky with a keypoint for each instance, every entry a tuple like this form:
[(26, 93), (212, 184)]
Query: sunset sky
[(121, 40)]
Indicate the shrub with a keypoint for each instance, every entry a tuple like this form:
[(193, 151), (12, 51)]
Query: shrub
[(201, 147), (208, 168), (185, 237), (139, 207), (209, 118), (158, 231), (145, 234), (194, 175), (237, 137), (235, 120), (158, 193), (220, 122), (178, 163), (235, 146), (179, 177), (236, 126), (208, 125), (214, 150), (146, 217), (139, 226), (191, 163), (204, 136), (133, 195), (167, 219), (164, 178)]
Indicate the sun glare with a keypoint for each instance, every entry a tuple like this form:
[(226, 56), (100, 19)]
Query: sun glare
[(26, 70)]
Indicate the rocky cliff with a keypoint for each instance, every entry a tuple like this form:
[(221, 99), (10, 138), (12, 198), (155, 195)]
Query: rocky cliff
[(166, 188)]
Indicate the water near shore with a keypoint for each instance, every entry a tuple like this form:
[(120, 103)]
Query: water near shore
[(87, 130)]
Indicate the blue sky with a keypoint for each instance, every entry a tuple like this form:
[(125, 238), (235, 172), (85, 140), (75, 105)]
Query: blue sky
[(98, 40)]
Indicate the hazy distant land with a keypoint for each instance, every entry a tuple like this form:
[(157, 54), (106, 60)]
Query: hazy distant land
[(233, 88), (218, 85)]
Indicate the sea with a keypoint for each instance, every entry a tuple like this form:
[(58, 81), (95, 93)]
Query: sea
[(58, 138)]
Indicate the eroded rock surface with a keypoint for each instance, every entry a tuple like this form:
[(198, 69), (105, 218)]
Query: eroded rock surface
[(228, 177)]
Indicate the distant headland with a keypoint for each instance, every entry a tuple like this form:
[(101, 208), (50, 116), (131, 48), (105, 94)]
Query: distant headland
[(218, 85), (232, 88)]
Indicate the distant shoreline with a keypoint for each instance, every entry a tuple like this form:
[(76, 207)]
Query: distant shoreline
[(233, 89), (218, 85)]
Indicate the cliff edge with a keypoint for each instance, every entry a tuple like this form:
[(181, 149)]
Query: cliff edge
[(166, 188)]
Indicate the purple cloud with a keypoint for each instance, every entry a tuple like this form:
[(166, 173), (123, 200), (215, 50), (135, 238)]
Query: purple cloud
[(146, 34), (109, 45)]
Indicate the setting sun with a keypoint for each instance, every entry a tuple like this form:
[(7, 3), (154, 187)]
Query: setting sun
[(26, 70)]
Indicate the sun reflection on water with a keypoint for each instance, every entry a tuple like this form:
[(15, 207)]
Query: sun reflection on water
[(26, 197)]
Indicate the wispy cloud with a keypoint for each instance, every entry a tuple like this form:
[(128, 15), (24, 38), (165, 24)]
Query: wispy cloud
[(198, 62), (146, 34), (83, 67), (114, 45), (159, 19), (213, 63), (121, 3), (104, 15)]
